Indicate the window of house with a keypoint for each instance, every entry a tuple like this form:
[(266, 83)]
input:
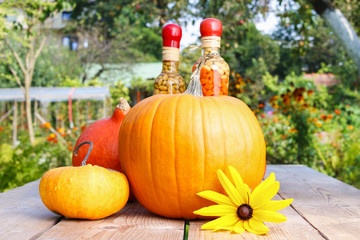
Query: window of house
[(70, 42), (66, 16)]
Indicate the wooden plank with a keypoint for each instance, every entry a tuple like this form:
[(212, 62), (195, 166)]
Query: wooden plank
[(132, 222), (330, 205), (294, 228), (23, 215)]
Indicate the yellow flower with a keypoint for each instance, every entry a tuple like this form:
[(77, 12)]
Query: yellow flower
[(293, 130), (318, 124), (243, 209)]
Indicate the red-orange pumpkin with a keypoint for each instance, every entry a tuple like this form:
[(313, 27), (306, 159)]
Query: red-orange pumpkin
[(101, 139), (172, 146)]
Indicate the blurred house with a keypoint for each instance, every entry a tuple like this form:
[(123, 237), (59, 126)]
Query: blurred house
[(325, 79), (138, 77)]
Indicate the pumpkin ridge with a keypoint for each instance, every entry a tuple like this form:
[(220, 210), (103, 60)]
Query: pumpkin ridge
[(254, 125), (220, 109), (133, 121), (204, 141), (247, 155), (163, 98), (175, 158), (262, 143)]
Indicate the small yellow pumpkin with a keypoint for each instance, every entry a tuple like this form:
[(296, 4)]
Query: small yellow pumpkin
[(86, 192)]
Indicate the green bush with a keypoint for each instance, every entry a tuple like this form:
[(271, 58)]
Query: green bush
[(26, 163)]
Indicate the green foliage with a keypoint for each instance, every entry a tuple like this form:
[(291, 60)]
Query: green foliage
[(27, 163), (302, 124), (188, 58), (117, 91)]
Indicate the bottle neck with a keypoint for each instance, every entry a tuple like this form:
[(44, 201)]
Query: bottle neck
[(213, 50), (210, 44), (170, 66)]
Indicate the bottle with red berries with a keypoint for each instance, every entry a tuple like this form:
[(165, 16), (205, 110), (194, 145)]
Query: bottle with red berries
[(169, 81), (214, 74)]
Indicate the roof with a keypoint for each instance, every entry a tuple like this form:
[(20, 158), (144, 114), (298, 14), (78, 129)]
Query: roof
[(125, 72), (325, 79), (55, 94)]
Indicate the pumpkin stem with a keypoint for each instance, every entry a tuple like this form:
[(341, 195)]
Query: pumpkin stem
[(194, 87), (123, 105), (83, 163)]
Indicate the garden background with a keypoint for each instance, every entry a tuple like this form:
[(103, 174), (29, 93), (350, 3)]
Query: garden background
[(301, 81)]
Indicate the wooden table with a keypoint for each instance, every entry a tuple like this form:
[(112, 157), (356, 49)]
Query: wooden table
[(323, 208)]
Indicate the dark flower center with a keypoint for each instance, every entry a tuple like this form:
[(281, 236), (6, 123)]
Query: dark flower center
[(244, 212)]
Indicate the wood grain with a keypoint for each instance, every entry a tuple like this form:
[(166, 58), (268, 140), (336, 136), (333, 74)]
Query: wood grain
[(328, 204), (23, 215), (132, 222), (294, 228), (323, 208)]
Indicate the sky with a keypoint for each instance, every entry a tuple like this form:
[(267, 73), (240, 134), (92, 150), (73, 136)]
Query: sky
[(191, 33)]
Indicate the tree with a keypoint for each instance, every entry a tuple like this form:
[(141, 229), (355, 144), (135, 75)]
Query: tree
[(23, 40), (300, 17), (339, 24), (122, 31)]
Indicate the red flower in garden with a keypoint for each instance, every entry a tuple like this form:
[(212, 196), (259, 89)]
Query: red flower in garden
[(337, 111), (285, 99), (293, 130), (330, 116), (51, 137), (273, 98), (1, 128), (261, 105)]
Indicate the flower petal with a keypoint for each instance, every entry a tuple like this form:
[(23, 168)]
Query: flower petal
[(216, 197), (216, 210), (229, 188), (276, 205), (270, 179), (258, 226), (268, 216), (224, 221), (239, 227), (243, 188), (266, 193), (251, 230), (229, 228)]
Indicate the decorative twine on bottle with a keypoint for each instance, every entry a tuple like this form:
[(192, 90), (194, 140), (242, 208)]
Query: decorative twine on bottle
[(194, 87), (170, 54), (210, 41)]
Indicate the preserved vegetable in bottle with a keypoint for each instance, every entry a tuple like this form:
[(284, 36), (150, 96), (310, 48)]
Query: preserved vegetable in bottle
[(214, 74), (169, 81)]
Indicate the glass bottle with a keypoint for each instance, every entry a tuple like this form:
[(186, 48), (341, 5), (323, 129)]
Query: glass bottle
[(214, 75), (169, 81)]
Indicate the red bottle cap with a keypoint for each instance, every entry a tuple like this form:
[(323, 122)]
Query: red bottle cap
[(171, 34), (211, 27)]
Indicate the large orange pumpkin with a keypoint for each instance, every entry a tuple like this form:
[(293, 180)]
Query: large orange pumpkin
[(172, 146)]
